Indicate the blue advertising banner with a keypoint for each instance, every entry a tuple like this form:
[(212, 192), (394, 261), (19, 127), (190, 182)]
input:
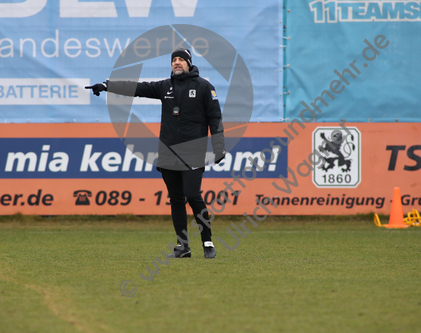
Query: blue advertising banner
[(50, 50), (69, 158), (353, 60)]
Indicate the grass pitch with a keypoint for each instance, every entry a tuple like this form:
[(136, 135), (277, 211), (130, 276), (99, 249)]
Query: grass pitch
[(291, 274)]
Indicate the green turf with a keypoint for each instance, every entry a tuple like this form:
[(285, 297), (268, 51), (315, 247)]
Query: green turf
[(291, 274)]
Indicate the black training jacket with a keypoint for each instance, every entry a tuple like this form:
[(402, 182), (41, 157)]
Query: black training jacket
[(183, 136)]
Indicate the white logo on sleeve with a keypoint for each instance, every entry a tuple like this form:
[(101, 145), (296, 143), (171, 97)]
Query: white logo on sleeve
[(192, 93)]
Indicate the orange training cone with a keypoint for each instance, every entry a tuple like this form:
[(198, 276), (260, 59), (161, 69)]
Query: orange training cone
[(396, 212)]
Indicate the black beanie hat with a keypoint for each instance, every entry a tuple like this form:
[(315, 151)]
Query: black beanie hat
[(183, 53)]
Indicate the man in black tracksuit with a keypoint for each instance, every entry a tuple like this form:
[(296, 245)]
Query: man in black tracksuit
[(190, 108)]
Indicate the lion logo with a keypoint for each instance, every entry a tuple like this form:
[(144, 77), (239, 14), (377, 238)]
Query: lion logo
[(334, 147), (339, 152)]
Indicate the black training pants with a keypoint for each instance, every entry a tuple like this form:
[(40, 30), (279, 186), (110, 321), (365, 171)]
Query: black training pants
[(184, 185)]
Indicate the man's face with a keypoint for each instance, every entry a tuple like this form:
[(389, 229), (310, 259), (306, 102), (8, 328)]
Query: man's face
[(179, 66)]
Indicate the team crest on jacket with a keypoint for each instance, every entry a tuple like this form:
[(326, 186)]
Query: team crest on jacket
[(192, 93), (214, 97)]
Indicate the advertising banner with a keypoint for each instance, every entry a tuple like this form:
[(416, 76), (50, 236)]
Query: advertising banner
[(51, 49), (354, 60), (293, 169)]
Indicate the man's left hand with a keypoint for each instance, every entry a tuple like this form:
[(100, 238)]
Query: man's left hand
[(219, 156)]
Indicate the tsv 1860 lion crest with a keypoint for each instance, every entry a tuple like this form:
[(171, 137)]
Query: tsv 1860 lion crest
[(340, 151)]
